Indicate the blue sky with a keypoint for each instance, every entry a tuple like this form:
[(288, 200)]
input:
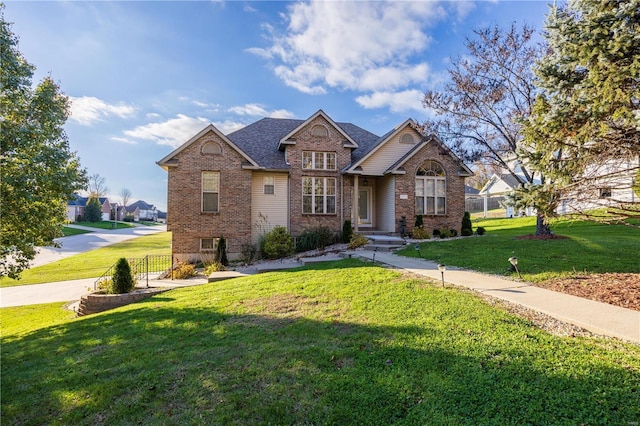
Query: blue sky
[(145, 76)]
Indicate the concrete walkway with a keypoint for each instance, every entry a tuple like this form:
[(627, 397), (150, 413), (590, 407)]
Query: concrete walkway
[(597, 317)]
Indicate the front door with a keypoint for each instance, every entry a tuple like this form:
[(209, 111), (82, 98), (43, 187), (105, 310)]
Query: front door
[(364, 206)]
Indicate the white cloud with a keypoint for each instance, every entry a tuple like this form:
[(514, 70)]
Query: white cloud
[(397, 102), (352, 45), (88, 110), (258, 110), (123, 140), (173, 132), (228, 126)]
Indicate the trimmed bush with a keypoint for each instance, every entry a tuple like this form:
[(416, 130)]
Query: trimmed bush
[(315, 238), (418, 223), (436, 233), (467, 228), (278, 243), (480, 230), (122, 280), (453, 232), (420, 233), (221, 252), (444, 233), (347, 231), (357, 240)]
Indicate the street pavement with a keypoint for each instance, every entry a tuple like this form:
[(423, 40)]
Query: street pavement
[(76, 244)]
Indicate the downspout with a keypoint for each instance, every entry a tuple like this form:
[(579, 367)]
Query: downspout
[(356, 207), (341, 199)]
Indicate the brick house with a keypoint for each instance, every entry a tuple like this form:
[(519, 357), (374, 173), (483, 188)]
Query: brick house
[(301, 174)]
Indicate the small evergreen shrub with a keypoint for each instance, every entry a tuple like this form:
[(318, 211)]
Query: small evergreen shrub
[(357, 240), (444, 233), (418, 223), (278, 243), (122, 280), (453, 232), (93, 211), (221, 252), (467, 228), (347, 231), (420, 233), (480, 230), (79, 218), (184, 270), (436, 233), (129, 218), (315, 238)]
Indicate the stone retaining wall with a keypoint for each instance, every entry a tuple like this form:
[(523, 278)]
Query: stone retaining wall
[(93, 303)]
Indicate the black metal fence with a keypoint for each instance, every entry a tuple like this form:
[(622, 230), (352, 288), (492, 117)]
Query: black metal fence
[(143, 267)]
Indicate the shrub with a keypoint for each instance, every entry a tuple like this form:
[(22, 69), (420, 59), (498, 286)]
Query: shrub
[(79, 218), (436, 233), (221, 252), (315, 238), (93, 211), (357, 240), (184, 270), (248, 253), (105, 285), (444, 233), (129, 218), (122, 279), (453, 232), (278, 243), (467, 228), (480, 230), (420, 233), (347, 231), (214, 267), (418, 223)]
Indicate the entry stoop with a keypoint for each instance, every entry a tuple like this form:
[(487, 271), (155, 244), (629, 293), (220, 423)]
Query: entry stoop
[(384, 242)]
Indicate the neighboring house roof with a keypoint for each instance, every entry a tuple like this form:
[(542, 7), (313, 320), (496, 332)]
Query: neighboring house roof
[(468, 190), (499, 184), (132, 209), (142, 205), (162, 215), (77, 200)]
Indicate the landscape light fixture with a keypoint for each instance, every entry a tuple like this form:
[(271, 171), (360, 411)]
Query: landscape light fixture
[(374, 254), (514, 262), (442, 268)]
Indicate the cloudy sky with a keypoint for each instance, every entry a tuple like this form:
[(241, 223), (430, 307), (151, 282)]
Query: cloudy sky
[(145, 76)]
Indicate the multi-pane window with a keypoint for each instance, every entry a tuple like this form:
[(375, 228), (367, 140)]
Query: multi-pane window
[(269, 185), (207, 244), (312, 160), (318, 195), (210, 192), (431, 189)]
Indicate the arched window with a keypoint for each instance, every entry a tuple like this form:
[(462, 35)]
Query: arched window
[(319, 130), (211, 148), (407, 138), (431, 189)]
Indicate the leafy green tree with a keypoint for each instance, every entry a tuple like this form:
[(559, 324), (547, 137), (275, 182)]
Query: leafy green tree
[(585, 120), (39, 172), (93, 210), (480, 108)]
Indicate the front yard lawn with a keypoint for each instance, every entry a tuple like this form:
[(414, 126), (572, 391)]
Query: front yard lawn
[(339, 343), (105, 224)]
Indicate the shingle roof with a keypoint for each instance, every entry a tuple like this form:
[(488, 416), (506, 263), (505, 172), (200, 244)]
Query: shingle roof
[(260, 140), (142, 205)]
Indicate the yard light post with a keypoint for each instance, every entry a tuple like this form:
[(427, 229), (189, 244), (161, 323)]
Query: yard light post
[(442, 268), (514, 262), (374, 254)]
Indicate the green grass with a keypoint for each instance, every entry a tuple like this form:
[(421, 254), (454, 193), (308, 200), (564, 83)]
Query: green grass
[(341, 343), (590, 247), (93, 263), (105, 224), (73, 231)]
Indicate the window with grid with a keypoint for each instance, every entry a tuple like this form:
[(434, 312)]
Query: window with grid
[(269, 185), (314, 160), (318, 195), (210, 192), (431, 189)]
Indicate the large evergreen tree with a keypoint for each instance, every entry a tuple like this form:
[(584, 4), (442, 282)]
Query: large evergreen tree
[(39, 172), (584, 131)]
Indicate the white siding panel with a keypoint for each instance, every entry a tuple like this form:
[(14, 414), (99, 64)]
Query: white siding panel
[(268, 210), (388, 154), (385, 204)]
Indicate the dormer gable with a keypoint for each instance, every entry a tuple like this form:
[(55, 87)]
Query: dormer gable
[(319, 129)]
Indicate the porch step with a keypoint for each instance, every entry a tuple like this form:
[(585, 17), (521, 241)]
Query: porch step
[(386, 240), (382, 247)]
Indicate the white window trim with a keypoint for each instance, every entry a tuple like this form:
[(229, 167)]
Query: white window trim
[(202, 192), (325, 196), (214, 244), (323, 166)]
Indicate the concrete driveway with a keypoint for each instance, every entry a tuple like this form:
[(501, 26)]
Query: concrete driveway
[(97, 238)]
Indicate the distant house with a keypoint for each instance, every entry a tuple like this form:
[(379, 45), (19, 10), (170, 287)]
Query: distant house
[(77, 204), (303, 174), (133, 212), (495, 190), (162, 217), (146, 211)]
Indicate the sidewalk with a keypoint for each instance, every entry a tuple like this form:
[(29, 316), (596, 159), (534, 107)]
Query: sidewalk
[(597, 317)]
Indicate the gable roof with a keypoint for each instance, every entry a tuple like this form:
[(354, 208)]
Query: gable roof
[(508, 180), (285, 140), (142, 205), (77, 200), (170, 161)]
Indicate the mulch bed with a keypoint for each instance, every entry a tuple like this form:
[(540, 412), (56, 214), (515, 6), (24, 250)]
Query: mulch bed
[(619, 289)]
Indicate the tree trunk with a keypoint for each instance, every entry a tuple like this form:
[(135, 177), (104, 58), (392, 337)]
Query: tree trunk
[(542, 225)]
